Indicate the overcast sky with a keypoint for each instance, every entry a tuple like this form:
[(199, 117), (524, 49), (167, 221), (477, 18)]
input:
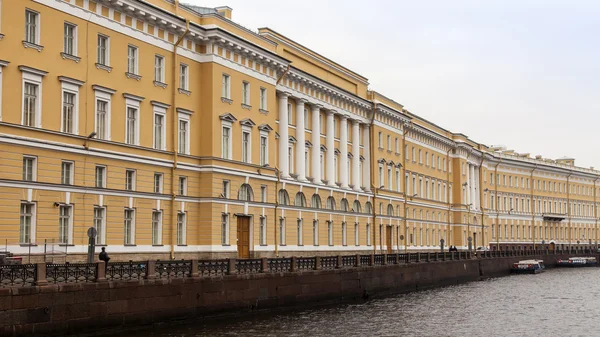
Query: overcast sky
[(520, 73)]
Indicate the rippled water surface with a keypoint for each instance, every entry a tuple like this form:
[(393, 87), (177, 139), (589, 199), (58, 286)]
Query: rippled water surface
[(559, 302)]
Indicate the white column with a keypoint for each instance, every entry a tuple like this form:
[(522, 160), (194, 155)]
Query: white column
[(316, 149), (300, 140), (477, 191), (367, 164), (284, 135), (468, 187), (355, 154), (472, 184), (330, 166), (344, 150)]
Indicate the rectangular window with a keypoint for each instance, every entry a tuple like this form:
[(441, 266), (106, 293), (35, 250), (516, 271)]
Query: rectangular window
[(282, 231), (27, 225), (344, 234), (100, 176), (389, 143), (70, 39), (225, 229), (130, 180), (225, 86), (129, 226), (380, 140), (226, 143), (132, 120), (290, 120), (263, 150), (68, 110), (64, 224), (330, 233), (30, 104), (262, 236), (103, 51), (157, 228), (183, 137), (158, 182), (132, 59), (246, 147), (66, 176), (159, 68), (263, 193), (225, 193), (100, 224), (396, 145), (245, 93), (31, 27), (183, 77), (390, 181), (299, 232), (182, 185), (159, 131), (315, 232), (368, 228), (29, 168), (181, 228), (101, 119), (263, 99), (356, 236)]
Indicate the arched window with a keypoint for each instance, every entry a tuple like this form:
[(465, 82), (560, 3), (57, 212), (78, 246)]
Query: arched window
[(368, 207), (300, 199), (331, 203), (245, 193), (390, 210), (344, 205), (356, 206), (315, 201), (284, 198)]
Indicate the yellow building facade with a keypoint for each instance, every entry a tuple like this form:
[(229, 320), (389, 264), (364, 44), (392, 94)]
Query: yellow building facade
[(177, 133)]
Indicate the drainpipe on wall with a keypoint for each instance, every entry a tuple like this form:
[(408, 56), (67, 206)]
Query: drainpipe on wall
[(497, 202), (372, 156), (175, 140), (481, 201), (404, 131)]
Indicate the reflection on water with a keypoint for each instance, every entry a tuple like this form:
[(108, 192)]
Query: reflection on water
[(560, 302)]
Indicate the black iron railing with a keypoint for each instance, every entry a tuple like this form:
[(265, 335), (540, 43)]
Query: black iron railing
[(213, 268), (126, 270), (18, 275), (71, 272), (249, 266), (280, 265), (173, 269)]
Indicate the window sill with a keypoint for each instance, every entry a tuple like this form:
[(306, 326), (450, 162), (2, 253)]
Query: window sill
[(104, 67), (263, 111), (184, 91), (246, 106), (226, 245), (380, 148), (33, 46), (66, 56), (66, 245), (160, 84), (226, 100), (134, 76), (27, 245), (130, 245), (181, 245), (158, 245)]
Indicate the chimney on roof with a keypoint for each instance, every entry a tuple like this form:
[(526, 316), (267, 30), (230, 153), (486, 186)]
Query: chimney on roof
[(224, 11)]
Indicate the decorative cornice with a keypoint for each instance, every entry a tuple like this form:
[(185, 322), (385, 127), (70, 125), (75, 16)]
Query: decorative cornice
[(103, 89), (133, 97), (228, 117), (34, 71), (70, 80)]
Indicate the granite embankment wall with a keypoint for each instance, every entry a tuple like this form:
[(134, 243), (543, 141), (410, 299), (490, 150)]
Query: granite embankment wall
[(63, 309)]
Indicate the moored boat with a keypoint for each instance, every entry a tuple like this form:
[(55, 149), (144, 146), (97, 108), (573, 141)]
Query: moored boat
[(528, 267), (577, 262)]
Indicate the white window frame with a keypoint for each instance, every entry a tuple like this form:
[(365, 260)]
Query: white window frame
[(183, 116), (2, 65), (181, 228), (101, 234), (103, 181), (131, 227), (105, 95), (182, 185), (136, 57), (106, 50), (159, 68), (159, 110), (226, 125), (263, 193), (282, 231), (33, 167), (33, 77), (344, 233), (368, 236), (264, 155), (356, 234), (226, 86), (69, 224), (157, 180), (225, 229), (330, 233), (74, 38), (133, 181), (226, 188), (157, 234), (315, 232), (245, 92), (134, 103), (72, 87), (184, 76), (262, 231), (263, 99), (71, 173), (246, 150), (32, 224), (37, 38), (300, 231)]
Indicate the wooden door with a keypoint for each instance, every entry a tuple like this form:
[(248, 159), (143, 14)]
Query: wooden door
[(388, 238), (243, 237)]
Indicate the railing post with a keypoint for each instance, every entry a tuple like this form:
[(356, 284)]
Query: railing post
[(100, 271), (194, 268), (443, 256), (372, 260), (264, 265), (385, 259), (151, 269), (418, 257), (293, 264), (357, 264), (317, 263), (40, 279), (428, 258), (231, 267), (397, 258), (339, 264)]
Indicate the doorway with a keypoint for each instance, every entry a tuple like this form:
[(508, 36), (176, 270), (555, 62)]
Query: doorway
[(243, 237), (552, 246), (388, 238)]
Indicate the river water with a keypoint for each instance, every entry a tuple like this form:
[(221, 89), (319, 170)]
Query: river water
[(559, 302)]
